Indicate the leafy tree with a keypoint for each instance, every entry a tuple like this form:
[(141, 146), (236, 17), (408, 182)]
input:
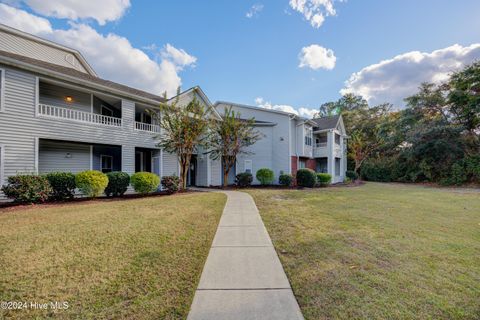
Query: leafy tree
[(360, 148), (464, 97), (230, 138), (428, 104), (184, 128)]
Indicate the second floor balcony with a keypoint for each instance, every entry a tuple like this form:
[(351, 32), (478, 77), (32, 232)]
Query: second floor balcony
[(145, 119), (66, 103), (77, 115)]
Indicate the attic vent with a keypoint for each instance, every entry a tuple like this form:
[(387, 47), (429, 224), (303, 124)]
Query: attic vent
[(71, 60)]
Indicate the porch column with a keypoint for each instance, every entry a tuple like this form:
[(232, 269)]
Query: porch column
[(342, 161), (331, 153)]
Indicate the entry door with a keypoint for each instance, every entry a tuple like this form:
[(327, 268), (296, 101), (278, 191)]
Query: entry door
[(139, 167)]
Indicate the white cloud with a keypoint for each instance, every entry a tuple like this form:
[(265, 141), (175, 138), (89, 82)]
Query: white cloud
[(316, 57), (302, 111), (178, 56), (394, 79), (102, 11), (112, 56), (314, 11), (254, 10), (22, 20)]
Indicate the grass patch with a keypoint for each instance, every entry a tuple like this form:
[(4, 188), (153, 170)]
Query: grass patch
[(380, 251), (132, 259)]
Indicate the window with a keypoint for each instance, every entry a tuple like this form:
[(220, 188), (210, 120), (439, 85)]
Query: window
[(337, 138), (2, 89), (248, 166), (106, 163), (322, 165), (308, 137), (302, 164)]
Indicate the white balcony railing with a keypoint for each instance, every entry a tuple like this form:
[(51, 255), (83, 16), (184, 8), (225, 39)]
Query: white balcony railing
[(147, 127), (321, 145), (77, 115)]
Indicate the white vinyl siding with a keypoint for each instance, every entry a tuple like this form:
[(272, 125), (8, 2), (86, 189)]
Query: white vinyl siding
[(57, 156), (170, 164), (2, 163), (40, 51), (216, 172), (248, 166), (2, 89), (337, 166)]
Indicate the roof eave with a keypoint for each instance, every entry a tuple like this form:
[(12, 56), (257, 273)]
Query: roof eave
[(58, 75)]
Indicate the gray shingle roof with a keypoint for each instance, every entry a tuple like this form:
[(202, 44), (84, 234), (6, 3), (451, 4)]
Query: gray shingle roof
[(324, 123), (81, 75)]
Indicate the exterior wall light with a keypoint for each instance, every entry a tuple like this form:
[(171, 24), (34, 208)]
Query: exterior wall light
[(68, 99)]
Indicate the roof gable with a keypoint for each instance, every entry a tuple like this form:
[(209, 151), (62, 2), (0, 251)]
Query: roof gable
[(325, 123), (26, 44), (196, 92)]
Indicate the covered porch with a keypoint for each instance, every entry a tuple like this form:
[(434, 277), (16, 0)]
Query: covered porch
[(74, 157)]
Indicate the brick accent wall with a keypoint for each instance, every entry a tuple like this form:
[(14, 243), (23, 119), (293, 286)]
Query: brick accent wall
[(311, 164), (294, 164)]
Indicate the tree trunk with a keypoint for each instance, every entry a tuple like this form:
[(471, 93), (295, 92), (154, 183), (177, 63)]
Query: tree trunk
[(184, 164), (227, 165), (225, 169)]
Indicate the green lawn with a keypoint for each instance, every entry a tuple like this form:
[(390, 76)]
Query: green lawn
[(130, 259), (379, 251)]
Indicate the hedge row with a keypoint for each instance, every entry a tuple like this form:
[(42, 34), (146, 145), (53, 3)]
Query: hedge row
[(59, 186), (304, 178)]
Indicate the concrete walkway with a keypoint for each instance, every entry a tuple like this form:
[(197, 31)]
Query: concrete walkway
[(243, 278)]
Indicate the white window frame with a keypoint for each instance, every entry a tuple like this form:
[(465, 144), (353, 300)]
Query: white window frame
[(2, 163), (2, 90), (248, 166), (308, 137), (101, 162)]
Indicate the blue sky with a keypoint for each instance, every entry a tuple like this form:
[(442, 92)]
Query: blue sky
[(255, 60)]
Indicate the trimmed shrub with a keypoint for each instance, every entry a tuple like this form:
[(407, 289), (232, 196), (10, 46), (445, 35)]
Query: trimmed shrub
[(285, 179), (145, 182), (323, 179), (170, 183), (91, 183), (265, 176), (244, 179), (306, 178), (117, 183), (63, 185), (352, 175), (27, 188)]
